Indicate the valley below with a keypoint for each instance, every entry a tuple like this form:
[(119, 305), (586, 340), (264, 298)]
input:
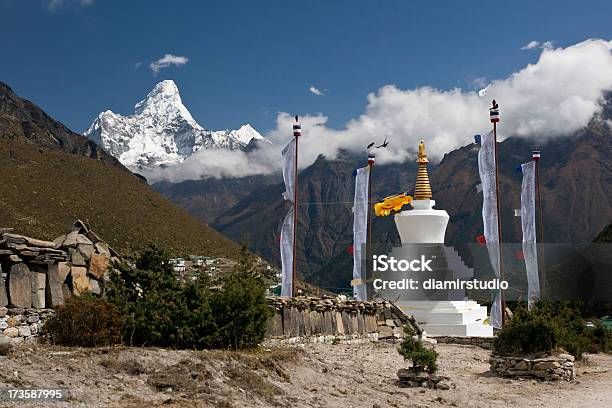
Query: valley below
[(307, 375)]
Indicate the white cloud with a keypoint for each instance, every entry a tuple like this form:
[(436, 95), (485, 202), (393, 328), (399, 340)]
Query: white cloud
[(56, 4), (137, 64), (546, 45), (555, 96), (315, 91), (166, 61), (531, 45)]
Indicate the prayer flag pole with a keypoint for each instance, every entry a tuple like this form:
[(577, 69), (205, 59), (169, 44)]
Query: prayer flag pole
[(297, 132), (535, 155), (494, 116)]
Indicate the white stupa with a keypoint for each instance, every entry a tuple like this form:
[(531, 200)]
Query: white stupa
[(425, 225)]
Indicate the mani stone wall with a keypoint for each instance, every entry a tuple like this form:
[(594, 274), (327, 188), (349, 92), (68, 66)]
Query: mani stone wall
[(313, 319), (39, 274)]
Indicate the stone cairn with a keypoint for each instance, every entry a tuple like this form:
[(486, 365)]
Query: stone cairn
[(409, 377), (544, 366), (38, 275), (334, 318)]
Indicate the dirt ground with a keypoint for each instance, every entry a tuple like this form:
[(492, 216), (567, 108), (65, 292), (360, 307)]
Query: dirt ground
[(313, 375)]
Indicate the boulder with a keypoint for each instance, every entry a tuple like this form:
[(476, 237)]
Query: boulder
[(86, 250), (20, 286), (38, 289), (3, 311), (98, 264), (54, 296), (80, 281)]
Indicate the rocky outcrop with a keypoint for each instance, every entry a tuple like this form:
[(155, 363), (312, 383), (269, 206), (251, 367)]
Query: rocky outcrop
[(544, 367), (314, 319), (40, 273)]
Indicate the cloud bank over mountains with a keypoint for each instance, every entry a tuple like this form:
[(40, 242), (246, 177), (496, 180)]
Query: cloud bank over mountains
[(555, 96)]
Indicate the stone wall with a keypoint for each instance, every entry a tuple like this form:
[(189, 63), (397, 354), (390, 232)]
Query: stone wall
[(545, 367), (483, 342), (332, 318), (20, 325), (41, 274)]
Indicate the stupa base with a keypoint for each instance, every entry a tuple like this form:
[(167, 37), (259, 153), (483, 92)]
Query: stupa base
[(450, 318)]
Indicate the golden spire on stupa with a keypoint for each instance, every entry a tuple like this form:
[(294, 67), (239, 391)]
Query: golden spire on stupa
[(422, 189)]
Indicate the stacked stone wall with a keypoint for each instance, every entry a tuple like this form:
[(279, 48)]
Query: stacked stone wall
[(312, 319)]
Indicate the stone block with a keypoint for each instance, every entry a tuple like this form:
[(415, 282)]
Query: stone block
[(24, 331), (39, 281), (76, 258), (20, 286), (3, 294), (340, 323), (80, 281), (11, 332), (103, 249), (95, 287), (63, 270), (54, 295), (86, 250), (98, 265), (275, 325)]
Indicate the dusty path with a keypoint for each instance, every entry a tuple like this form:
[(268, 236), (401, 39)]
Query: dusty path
[(315, 375)]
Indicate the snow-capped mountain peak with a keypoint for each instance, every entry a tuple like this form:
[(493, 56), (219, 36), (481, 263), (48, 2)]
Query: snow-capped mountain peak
[(161, 131)]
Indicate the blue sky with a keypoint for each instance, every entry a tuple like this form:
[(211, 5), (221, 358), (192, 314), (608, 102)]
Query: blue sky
[(248, 60)]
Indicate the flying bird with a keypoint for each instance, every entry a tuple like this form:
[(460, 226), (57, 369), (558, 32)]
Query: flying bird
[(385, 143), (370, 146), (484, 91)]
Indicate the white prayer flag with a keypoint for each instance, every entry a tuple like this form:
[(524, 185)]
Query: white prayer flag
[(286, 239), (486, 168), (360, 231), (530, 250)]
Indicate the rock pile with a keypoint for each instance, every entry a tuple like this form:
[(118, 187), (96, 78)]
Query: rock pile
[(40, 274), (409, 377), (544, 366), (331, 318)]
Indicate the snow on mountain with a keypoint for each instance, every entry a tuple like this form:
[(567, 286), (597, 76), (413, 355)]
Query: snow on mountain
[(161, 131)]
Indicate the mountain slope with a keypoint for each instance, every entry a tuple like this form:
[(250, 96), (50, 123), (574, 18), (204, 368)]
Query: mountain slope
[(22, 120), (576, 178), (49, 179), (161, 131)]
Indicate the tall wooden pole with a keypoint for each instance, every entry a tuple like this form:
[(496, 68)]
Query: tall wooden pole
[(371, 159), (536, 157), (297, 130), (499, 224)]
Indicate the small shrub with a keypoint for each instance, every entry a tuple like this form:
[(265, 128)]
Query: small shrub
[(525, 336), (411, 349), (161, 311), (600, 340), (240, 310), (86, 322), (546, 326)]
